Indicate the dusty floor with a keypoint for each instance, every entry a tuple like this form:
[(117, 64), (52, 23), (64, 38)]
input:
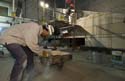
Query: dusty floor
[(72, 71)]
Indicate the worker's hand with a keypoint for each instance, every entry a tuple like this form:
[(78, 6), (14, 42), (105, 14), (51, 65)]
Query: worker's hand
[(46, 53)]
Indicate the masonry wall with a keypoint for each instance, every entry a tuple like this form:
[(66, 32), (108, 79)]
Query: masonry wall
[(33, 10), (105, 29), (4, 4), (117, 6)]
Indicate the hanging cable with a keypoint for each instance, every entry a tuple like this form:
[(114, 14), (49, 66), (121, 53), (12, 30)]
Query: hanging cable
[(25, 7), (19, 8), (38, 15)]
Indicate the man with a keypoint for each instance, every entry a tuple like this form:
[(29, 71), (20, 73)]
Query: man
[(22, 42)]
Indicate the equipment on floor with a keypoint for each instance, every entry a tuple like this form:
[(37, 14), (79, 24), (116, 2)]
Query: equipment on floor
[(57, 58)]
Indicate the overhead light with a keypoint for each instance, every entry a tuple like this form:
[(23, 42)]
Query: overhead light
[(46, 5), (41, 3)]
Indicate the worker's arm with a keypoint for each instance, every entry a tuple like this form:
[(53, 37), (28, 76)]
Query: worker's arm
[(31, 39)]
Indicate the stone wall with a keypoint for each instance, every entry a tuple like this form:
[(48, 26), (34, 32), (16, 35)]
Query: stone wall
[(105, 29)]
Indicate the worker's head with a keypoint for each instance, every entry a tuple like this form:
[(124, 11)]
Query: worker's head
[(47, 30), (50, 30)]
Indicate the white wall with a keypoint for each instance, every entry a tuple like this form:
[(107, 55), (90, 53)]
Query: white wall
[(8, 5), (106, 29), (2, 18)]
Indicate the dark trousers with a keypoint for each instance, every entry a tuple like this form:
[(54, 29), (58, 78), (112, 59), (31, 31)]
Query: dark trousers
[(23, 60)]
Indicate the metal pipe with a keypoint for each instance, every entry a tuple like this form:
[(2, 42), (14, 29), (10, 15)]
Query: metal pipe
[(13, 6)]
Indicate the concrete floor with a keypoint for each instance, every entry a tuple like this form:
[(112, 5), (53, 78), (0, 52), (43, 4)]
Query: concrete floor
[(73, 71)]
